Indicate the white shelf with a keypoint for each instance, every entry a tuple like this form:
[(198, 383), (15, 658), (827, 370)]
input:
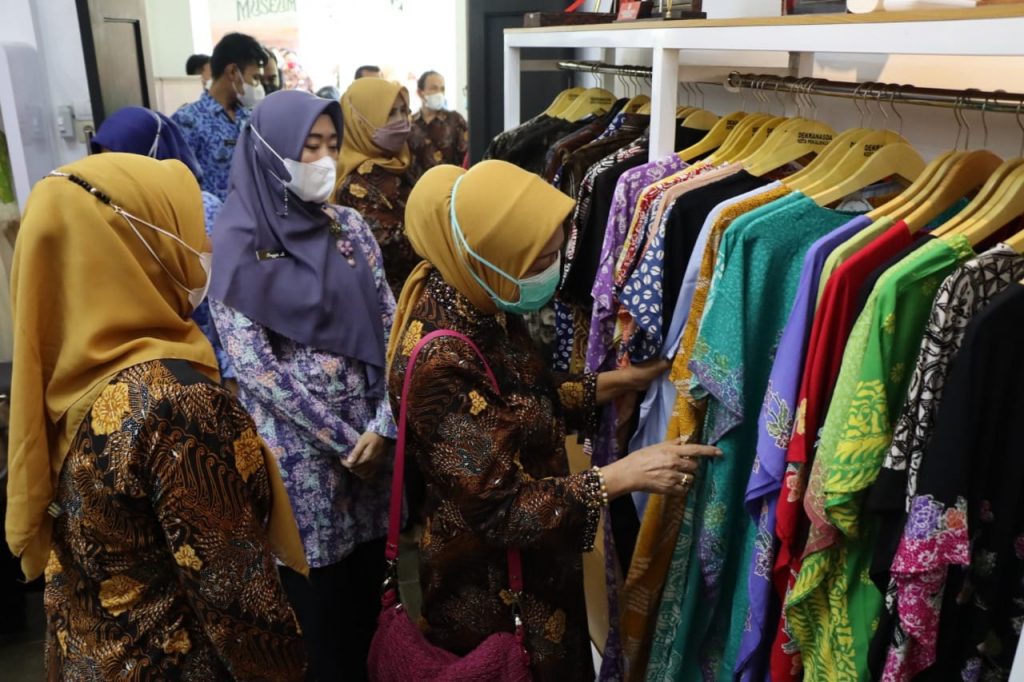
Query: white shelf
[(994, 30)]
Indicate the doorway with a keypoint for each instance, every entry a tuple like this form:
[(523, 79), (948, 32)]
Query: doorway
[(117, 61)]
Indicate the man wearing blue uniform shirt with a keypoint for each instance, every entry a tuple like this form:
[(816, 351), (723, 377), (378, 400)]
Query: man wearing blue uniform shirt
[(212, 124)]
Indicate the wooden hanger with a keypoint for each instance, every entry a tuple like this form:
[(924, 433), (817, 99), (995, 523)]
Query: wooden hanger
[(761, 133), (899, 159), (635, 104), (825, 172), (738, 137), (845, 164), (562, 101), (592, 102), (988, 193), (715, 137), (839, 145), (967, 174), (1016, 242), (908, 199), (791, 141), (684, 111), (700, 120), (1007, 205)]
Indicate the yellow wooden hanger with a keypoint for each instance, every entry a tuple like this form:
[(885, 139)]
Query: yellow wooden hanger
[(899, 160), (738, 137), (592, 102), (700, 120), (970, 171), (839, 145), (760, 134), (562, 101), (634, 105), (794, 139), (1007, 205), (683, 111), (988, 193), (1016, 242), (845, 164), (715, 137), (909, 198)]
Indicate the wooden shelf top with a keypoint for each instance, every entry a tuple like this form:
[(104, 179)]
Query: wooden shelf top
[(1001, 11)]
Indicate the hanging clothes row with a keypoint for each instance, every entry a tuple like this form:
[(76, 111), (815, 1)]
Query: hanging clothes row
[(822, 297)]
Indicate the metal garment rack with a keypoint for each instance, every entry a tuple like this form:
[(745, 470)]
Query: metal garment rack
[(887, 93)]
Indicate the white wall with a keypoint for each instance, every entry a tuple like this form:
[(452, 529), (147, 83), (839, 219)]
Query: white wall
[(51, 26)]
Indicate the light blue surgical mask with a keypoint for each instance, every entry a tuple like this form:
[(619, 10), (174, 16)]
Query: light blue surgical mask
[(534, 291)]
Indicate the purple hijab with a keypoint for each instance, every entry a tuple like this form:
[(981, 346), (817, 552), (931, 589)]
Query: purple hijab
[(306, 291), (136, 130)]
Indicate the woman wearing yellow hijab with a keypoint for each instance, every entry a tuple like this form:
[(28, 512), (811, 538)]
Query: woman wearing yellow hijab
[(494, 463), (135, 479), (373, 168)]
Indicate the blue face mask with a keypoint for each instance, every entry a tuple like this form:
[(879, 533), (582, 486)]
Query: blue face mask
[(534, 291)]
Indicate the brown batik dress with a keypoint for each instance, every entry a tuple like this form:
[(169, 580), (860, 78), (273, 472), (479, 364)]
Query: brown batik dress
[(380, 197), (160, 568), (496, 476)]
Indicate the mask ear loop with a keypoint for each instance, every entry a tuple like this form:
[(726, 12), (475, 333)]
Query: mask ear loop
[(156, 139), (284, 185), (461, 239), (128, 218)]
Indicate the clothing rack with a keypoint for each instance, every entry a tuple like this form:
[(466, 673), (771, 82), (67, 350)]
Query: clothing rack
[(883, 93), (887, 93), (606, 69)]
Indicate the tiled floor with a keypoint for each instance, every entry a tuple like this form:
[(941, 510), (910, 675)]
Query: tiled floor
[(21, 656)]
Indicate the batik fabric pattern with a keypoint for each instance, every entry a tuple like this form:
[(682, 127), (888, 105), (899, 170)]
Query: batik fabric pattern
[(496, 476), (380, 197), (961, 296), (833, 608), (311, 406), (160, 567)]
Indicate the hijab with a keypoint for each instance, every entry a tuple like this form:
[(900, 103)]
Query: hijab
[(310, 295), (366, 105), (507, 216), (89, 301), (136, 130)]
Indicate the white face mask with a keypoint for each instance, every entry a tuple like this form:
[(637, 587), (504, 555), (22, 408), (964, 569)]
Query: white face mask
[(196, 295), (435, 101), (312, 182), (207, 83), (251, 95)]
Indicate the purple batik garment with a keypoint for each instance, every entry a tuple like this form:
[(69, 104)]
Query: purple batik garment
[(774, 427), (600, 354), (311, 406)]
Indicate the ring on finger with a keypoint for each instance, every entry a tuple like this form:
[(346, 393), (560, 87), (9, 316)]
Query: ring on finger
[(687, 480)]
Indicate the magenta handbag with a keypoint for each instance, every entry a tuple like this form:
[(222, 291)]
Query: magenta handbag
[(400, 652)]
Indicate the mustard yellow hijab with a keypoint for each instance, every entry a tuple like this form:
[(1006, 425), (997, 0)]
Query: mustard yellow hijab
[(366, 106), (90, 301), (507, 216)]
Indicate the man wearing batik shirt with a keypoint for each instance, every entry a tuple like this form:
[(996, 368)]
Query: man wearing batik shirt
[(213, 122), (439, 136)]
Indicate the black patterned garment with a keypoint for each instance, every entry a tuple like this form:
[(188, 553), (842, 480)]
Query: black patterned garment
[(497, 476), (160, 568), (442, 140), (960, 565), (960, 297)]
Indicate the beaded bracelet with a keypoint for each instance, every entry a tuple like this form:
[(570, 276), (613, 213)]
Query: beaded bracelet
[(600, 490)]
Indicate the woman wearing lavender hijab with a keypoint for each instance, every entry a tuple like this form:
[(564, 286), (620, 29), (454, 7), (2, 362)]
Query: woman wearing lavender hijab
[(303, 308)]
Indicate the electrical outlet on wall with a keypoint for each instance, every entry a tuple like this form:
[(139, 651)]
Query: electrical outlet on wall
[(66, 122)]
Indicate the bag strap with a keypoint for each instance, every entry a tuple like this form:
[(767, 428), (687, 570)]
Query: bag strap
[(515, 566)]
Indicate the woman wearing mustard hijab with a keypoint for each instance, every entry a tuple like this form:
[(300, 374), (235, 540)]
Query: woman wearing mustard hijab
[(373, 168), (136, 480), (494, 462)]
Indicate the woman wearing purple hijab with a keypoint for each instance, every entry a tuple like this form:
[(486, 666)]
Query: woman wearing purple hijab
[(302, 305)]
